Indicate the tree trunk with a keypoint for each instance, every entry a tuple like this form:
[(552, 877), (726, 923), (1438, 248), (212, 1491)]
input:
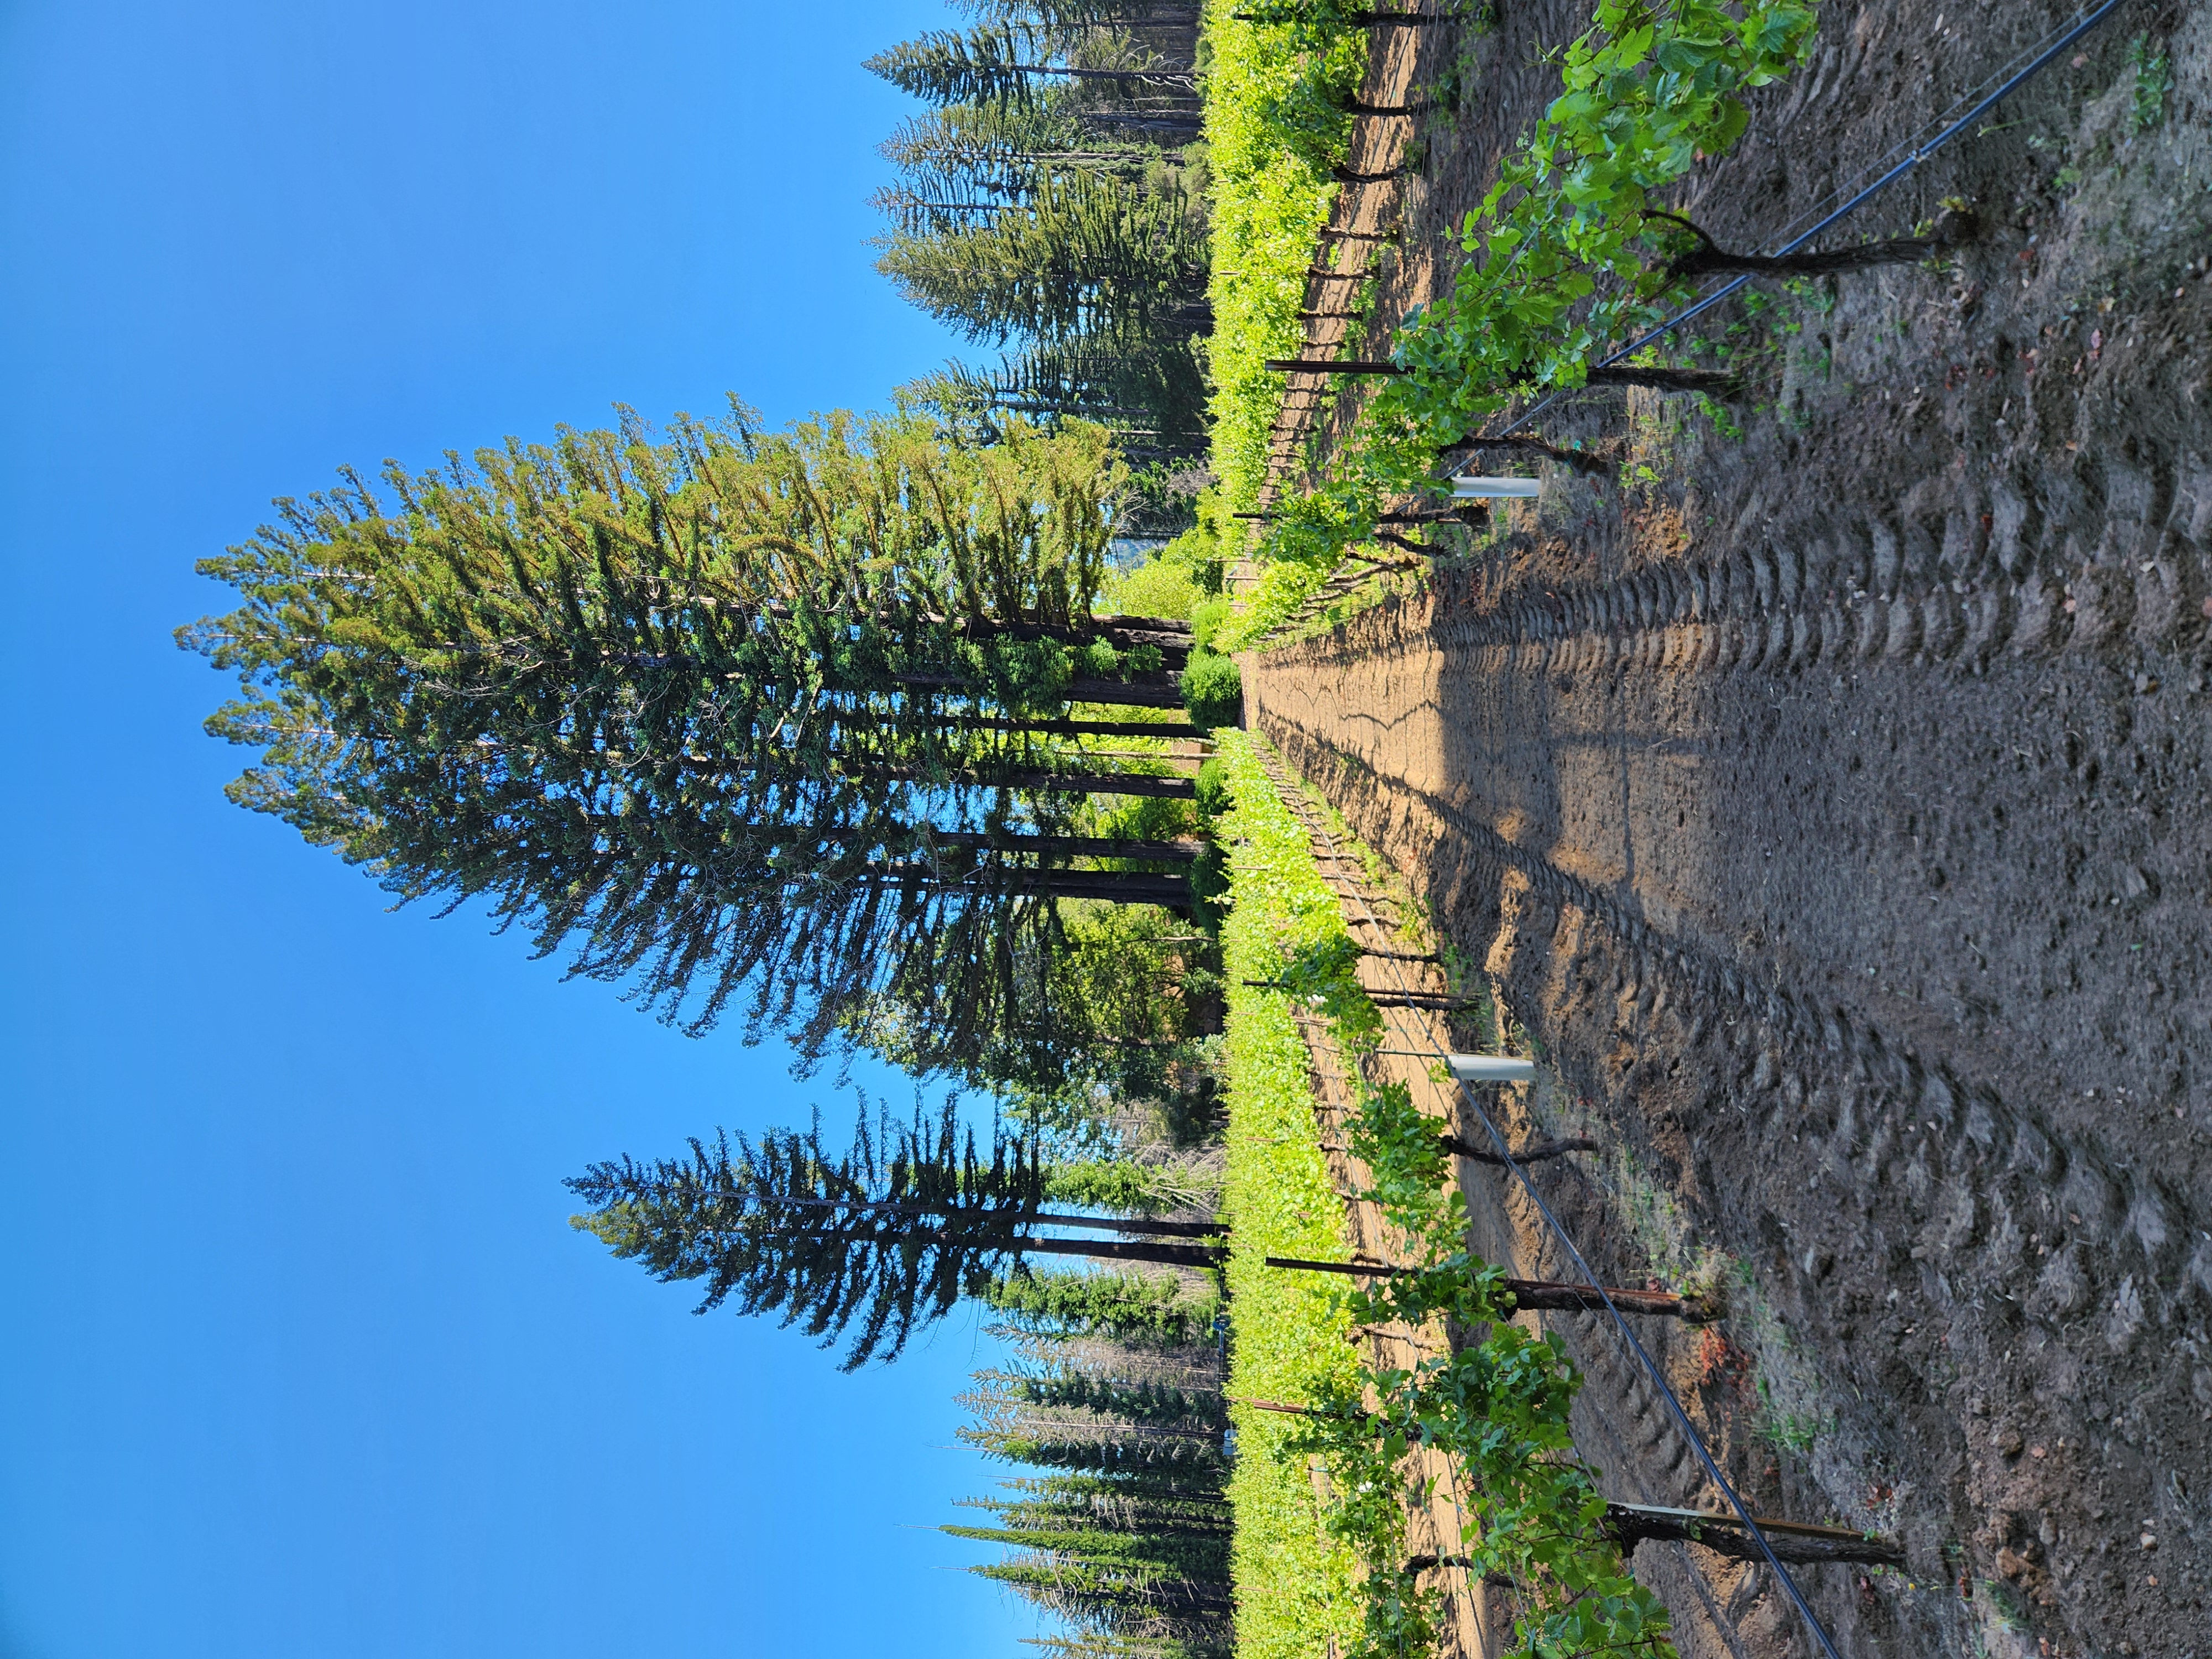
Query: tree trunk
[(1115, 1249), (1171, 638), (1140, 1226), (1155, 77), (1084, 846), (907, 840), (917, 1206), (1146, 691), (1169, 635), (1106, 886), (1412, 19), (1084, 783), (1102, 1249), (1041, 780), (1169, 729)]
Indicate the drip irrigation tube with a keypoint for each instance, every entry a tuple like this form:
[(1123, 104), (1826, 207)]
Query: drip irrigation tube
[(2035, 66), (2041, 59), (1658, 1379)]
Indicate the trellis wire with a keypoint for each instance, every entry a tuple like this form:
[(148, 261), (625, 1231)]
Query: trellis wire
[(1682, 1418), (2040, 58), (2040, 61)]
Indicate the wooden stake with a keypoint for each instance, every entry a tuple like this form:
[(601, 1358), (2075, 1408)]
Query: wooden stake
[(1539, 1293)]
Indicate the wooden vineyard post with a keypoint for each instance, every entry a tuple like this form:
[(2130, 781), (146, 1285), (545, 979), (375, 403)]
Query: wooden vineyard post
[(1548, 1294)]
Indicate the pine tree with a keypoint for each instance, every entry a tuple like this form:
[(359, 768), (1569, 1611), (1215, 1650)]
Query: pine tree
[(1002, 62), (731, 714), (1000, 150), (1113, 1596), (1131, 1402), (1086, 257), (891, 1235), (1122, 1503), (1163, 1551), (1070, 15), (1151, 1310)]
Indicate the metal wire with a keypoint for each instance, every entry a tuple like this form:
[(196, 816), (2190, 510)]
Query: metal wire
[(1811, 1619), (2041, 61)]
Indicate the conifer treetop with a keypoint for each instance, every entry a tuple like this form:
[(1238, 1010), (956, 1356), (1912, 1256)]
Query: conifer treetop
[(681, 702), (881, 1240)]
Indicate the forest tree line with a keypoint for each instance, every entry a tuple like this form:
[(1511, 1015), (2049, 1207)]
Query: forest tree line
[(838, 733), (1050, 201), (815, 728), (1120, 1524)]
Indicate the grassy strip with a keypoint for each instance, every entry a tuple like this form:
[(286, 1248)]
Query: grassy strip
[(1295, 1586), (1271, 136), (1498, 1407)]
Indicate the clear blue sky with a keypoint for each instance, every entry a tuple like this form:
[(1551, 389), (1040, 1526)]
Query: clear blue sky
[(301, 1359)]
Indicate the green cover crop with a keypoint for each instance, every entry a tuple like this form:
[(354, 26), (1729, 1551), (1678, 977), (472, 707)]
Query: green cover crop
[(1498, 1406)]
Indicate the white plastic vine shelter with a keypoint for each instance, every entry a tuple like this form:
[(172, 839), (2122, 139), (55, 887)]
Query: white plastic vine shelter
[(1470, 489), (1490, 1068)]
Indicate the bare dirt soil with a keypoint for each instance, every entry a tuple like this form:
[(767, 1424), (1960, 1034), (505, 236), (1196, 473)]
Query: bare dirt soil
[(1828, 798)]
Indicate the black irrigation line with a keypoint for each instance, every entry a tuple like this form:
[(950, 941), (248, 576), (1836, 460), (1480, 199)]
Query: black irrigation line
[(2040, 58), (1913, 157), (2040, 61), (1811, 1619)]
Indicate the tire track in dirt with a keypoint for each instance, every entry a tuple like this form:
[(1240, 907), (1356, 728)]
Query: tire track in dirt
[(1928, 1133), (1721, 1608), (1834, 808)]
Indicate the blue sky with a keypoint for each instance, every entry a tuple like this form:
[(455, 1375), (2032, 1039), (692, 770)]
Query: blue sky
[(301, 1358)]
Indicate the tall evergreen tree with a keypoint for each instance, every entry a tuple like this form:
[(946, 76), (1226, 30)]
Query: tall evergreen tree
[(734, 713), (891, 1235), (1083, 258), (1155, 1311), (1146, 1402), (1127, 1542), (1126, 1502), (1004, 62)]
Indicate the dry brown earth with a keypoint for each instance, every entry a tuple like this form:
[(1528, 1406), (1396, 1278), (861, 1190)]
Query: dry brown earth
[(1832, 806)]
